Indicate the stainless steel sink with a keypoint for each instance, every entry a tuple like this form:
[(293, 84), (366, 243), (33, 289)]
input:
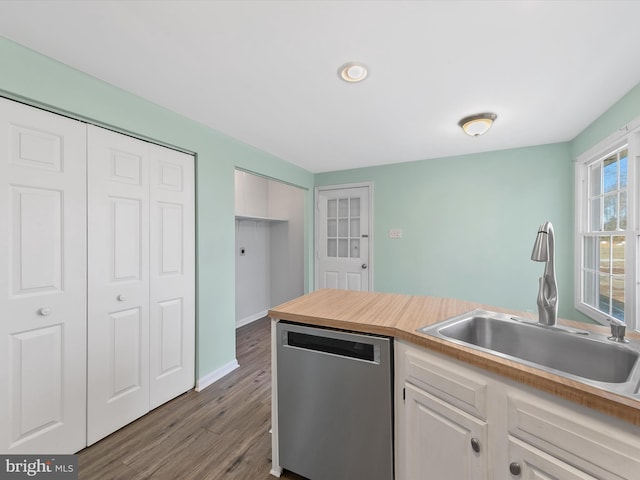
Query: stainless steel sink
[(576, 354)]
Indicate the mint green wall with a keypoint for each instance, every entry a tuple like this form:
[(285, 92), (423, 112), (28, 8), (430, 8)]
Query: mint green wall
[(469, 224), (39, 80)]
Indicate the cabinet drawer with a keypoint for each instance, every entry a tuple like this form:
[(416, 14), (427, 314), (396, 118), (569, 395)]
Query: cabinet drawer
[(535, 464), (590, 443), (442, 379)]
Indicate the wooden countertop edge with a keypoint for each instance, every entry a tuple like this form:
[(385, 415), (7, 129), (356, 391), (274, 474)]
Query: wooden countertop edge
[(618, 406)]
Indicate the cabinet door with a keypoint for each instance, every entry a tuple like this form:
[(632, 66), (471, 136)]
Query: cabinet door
[(439, 437), (172, 273), (42, 281), (251, 195), (529, 463), (118, 281)]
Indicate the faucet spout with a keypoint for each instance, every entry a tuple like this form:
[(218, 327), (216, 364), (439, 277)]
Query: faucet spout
[(544, 251)]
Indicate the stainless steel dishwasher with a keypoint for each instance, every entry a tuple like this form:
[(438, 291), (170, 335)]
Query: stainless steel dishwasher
[(335, 403)]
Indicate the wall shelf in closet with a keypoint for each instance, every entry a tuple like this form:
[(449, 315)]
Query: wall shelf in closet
[(260, 219)]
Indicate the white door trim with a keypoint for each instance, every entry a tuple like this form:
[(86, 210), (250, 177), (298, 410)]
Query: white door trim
[(343, 186)]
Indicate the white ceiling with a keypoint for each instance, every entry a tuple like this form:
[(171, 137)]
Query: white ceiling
[(264, 72)]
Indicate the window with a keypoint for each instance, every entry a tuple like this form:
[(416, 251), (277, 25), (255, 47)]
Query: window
[(343, 227), (608, 239)]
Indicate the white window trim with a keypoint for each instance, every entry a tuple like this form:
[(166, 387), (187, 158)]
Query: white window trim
[(629, 134)]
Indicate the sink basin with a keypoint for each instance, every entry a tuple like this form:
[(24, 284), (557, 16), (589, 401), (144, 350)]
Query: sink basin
[(582, 355)]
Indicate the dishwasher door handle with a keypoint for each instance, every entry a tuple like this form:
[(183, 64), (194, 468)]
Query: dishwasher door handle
[(333, 346)]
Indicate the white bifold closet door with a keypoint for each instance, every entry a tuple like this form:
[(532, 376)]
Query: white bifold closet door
[(141, 278), (42, 281)]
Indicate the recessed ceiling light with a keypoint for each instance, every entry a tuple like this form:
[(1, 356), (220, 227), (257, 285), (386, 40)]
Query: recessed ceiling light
[(478, 124), (352, 72)]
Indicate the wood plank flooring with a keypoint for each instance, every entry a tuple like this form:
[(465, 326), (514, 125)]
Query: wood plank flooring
[(219, 433)]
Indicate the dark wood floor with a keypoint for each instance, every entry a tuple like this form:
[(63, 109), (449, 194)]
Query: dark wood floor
[(219, 433)]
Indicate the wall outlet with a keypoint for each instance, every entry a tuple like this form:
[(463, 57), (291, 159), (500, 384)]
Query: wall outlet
[(395, 233)]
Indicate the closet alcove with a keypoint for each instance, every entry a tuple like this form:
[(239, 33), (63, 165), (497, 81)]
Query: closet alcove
[(269, 244)]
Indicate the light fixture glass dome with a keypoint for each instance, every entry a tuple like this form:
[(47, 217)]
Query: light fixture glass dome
[(478, 124)]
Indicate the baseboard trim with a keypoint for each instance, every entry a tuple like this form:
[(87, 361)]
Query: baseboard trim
[(251, 318), (276, 472), (216, 375)]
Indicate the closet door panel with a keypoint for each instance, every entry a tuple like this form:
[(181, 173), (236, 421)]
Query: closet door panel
[(118, 281), (42, 281), (172, 270)]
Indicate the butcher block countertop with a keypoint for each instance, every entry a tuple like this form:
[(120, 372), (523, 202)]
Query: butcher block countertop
[(399, 316)]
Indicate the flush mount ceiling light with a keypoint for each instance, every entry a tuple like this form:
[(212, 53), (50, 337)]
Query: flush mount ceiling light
[(476, 125), (352, 72)]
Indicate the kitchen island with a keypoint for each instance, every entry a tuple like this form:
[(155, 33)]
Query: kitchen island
[(399, 316)]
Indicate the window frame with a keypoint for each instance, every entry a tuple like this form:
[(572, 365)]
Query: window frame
[(626, 137)]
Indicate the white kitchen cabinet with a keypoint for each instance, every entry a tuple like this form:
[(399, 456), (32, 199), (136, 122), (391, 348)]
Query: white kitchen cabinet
[(442, 430), (524, 433), (251, 195), (574, 436), (441, 440)]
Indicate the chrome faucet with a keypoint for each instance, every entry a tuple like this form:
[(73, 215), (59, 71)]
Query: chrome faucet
[(544, 251)]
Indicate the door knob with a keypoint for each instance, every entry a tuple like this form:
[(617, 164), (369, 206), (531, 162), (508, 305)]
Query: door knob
[(44, 311), (514, 469), (364, 266), (121, 298), (475, 445)]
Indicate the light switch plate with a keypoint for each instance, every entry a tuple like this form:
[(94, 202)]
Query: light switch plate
[(395, 233)]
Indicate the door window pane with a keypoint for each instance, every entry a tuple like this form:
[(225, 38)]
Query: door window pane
[(355, 207), (332, 247), (355, 249), (332, 228), (343, 247), (332, 208), (355, 227), (343, 228), (343, 207)]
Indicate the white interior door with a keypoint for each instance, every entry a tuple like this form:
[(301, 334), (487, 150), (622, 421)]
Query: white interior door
[(172, 272), (342, 238), (118, 281), (42, 281)]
